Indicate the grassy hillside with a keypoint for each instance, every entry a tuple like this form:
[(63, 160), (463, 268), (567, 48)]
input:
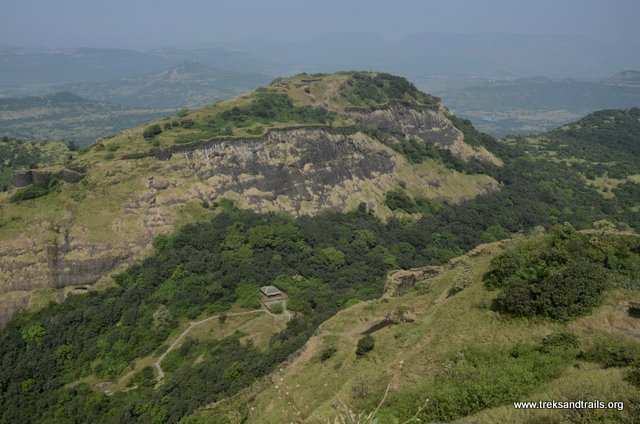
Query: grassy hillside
[(65, 116), (442, 352)]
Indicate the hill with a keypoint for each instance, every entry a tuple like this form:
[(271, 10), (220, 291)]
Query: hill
[(187, 84), (533, 105), (321, 185), (628, 78), (276, 149), (65, 116), (603, 148)]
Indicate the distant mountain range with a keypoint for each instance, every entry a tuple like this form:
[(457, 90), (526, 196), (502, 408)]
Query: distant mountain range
[(189, 84), (23, 70)]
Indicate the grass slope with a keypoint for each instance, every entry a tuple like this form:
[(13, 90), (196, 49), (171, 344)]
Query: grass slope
[(428, 358)]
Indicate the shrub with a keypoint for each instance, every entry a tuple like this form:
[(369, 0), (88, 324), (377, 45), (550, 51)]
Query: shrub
[(613, 351), (327, 353), (145, 377), (187, 123), (35, 190), (633, 377), (29, 192), (365, 345), (571, 291), (398, 199), (563, 340), (562, 274), (151, 131)]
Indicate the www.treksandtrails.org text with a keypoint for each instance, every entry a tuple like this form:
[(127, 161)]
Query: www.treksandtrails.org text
[(577, 404)]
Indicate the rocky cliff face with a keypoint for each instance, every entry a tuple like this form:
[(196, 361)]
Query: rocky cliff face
[(120, 206)]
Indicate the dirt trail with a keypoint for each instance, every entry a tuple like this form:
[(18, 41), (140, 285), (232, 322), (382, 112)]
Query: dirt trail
[(182, 335)]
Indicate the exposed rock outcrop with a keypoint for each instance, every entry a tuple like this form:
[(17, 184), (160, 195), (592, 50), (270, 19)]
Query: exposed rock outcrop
[(24, 177)]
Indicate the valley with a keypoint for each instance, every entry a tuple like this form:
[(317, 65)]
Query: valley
[(527, 106)]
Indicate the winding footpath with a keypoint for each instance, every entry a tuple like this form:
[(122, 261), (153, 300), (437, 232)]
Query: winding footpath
[(177, 341)]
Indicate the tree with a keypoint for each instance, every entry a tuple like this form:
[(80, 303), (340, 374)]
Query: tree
[(34, 334), (162, 317)]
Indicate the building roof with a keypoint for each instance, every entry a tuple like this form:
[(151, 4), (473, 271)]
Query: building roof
[(270, 291)]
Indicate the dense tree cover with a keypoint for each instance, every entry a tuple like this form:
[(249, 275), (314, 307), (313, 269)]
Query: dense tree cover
[(607, 141), (367, 89), (322, 263), (564, 273)]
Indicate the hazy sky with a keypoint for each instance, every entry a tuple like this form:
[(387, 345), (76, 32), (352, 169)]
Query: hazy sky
[(144, 24)]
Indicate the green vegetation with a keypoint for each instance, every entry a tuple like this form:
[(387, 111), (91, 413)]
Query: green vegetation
[(195, 272), (476, 379), (18, 154), (54, 360), (455, 360), (369, 89), (274, 107), (602, 142), (365, 345), (399, 200), (277, 308), (152, 131), (33, 191), (327, 353), (267, 108), (613, 351), (562, 274)]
